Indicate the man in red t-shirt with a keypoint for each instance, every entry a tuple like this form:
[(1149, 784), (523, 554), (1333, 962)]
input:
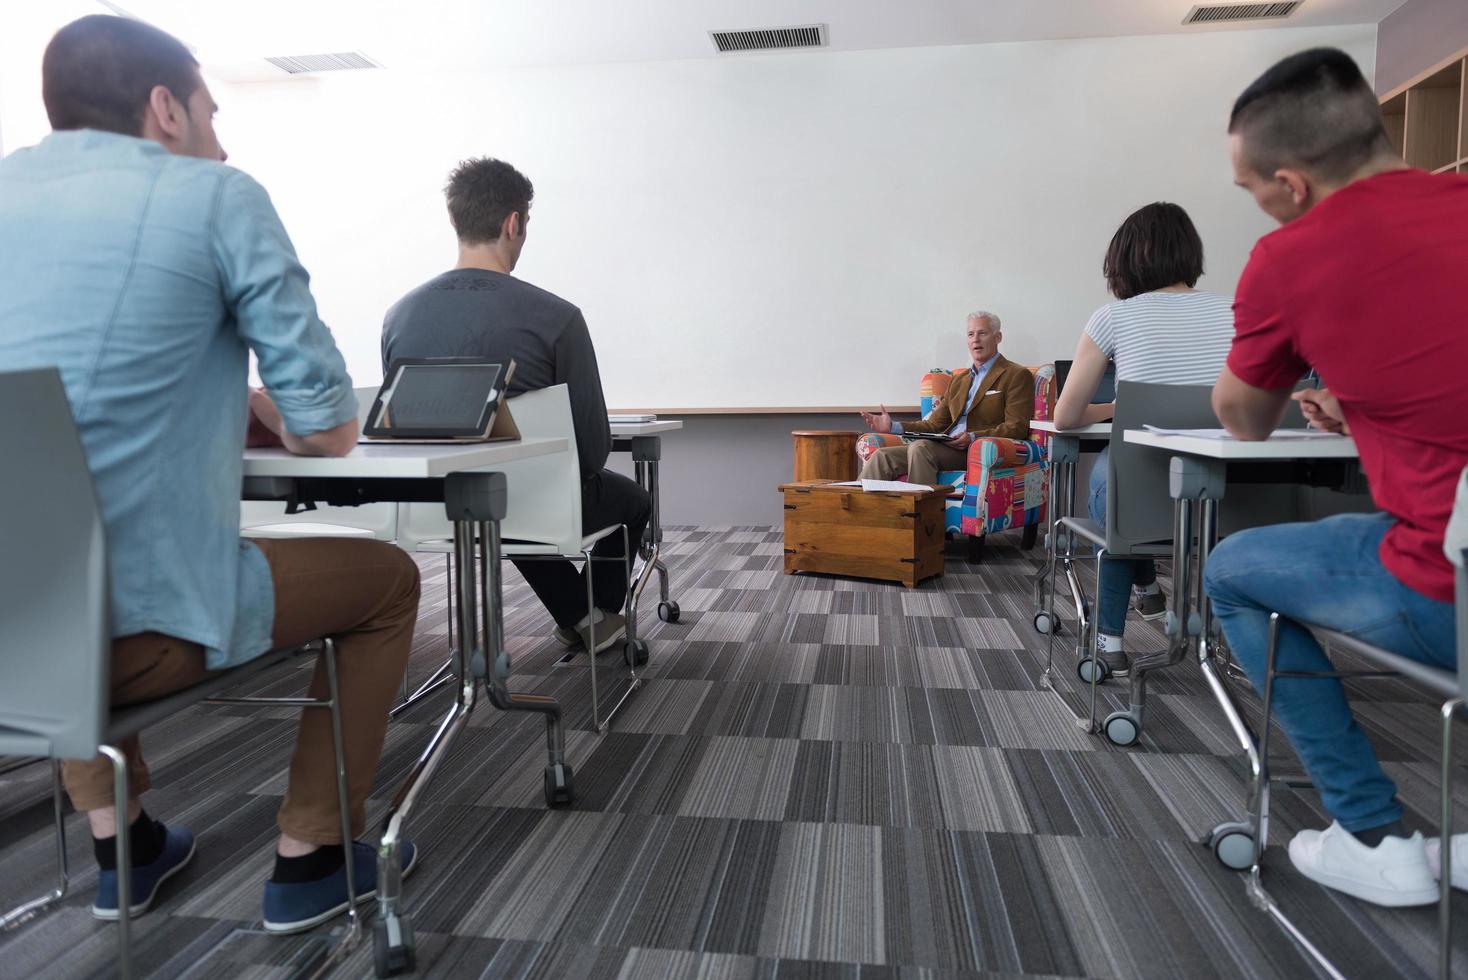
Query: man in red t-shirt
[(1365, 282)]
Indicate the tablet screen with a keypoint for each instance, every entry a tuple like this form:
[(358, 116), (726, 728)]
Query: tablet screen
[(433, 399)]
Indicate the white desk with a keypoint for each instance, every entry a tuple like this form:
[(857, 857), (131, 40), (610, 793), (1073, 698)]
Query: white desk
[(1323, 447), (420, 462), (626, 430), (457, 476), (1096, 430), (644, 441)]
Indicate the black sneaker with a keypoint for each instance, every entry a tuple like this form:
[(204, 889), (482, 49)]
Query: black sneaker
[(1150, 605), (1118, 664)]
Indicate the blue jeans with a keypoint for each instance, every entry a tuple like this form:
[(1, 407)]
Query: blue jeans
[(1118, 575), (1326, 573)]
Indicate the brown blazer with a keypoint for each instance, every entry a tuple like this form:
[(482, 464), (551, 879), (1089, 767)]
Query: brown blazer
[(1004, 408)]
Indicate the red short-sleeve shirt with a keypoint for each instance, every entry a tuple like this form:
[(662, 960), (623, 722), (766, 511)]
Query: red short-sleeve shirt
[(1370, 288)]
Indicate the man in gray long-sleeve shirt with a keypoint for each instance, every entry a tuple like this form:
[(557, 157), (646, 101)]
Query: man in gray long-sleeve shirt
[(478, 309)]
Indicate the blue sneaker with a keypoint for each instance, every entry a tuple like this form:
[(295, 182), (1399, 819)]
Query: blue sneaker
[(178, 851), (298, 906)]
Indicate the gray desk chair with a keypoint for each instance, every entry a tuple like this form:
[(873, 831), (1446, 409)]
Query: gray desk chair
[(1139, 524), (1240, 844), (542, 521), (55, 633)]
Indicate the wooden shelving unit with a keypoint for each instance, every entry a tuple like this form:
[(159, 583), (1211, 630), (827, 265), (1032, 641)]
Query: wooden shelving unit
[(1427, 119)]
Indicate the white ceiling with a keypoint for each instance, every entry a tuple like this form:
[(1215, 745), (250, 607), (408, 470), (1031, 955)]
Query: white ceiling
[(429, 35)]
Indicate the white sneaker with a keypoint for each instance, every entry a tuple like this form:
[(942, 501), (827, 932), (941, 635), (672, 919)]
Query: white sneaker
[(1394, 873), (1460, 859)]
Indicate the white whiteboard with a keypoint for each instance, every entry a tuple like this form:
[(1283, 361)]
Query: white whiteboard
[(793, 230)]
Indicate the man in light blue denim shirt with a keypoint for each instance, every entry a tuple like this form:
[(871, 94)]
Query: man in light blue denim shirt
[(146, 270)]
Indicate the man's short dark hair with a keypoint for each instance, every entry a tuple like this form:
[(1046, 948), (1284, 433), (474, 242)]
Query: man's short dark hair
[(1313, 112), (99, 71), (482, 193), (1155, 247)]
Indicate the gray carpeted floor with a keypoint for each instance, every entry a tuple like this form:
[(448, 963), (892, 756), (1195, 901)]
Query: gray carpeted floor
[(820, 778)]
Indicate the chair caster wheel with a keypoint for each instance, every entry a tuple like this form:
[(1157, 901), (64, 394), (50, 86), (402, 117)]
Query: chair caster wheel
[(560, 789), (1232, 843), (1044, 623), (635, 653), (1122, 729), (668, 611), (389, 959), (1086, 666)]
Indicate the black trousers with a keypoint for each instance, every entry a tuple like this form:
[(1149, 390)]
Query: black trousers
[(607, 498)]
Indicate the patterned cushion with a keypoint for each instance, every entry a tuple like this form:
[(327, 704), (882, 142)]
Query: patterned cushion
[(873, 441), (932, 389)]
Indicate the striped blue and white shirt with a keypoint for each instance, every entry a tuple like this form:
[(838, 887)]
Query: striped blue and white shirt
[(1166, 338)]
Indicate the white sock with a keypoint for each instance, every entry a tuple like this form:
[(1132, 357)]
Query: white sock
[(1107, 643), (1152, 589)]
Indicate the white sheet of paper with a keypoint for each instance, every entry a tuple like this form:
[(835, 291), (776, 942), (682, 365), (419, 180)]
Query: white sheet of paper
[(870, 485)]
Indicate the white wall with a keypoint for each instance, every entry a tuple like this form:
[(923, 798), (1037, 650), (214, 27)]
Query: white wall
[(792, 230)]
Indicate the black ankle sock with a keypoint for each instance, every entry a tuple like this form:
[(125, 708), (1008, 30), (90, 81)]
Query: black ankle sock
[(1374, 836), (145, 839), (309, 867)]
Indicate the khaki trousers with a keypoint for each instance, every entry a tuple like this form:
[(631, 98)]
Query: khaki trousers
[(920, 459), (363, 595)]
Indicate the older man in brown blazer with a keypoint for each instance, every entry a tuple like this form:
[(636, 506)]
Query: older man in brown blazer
[(994, 397)]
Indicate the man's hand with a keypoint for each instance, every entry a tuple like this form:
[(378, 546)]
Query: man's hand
[(881, 422), (267, 425), (961, 442), (1322, 410)]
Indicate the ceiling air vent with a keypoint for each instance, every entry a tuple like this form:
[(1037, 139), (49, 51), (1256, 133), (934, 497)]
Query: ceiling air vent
[(1224, 12), (771, 38), (300, 64)]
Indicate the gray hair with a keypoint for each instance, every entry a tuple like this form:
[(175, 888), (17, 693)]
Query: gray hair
[(993, 319)]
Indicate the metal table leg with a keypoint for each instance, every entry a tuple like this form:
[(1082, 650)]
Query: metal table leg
[(646, 454), (475, 502)]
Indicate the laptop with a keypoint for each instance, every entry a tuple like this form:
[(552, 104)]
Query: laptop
[(1105, 391), (442, 399)]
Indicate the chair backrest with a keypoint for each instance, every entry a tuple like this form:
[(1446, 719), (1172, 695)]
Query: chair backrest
[(1139, 508), (264, 518), (55, 633), (544, 503), (1455, 544), (931, 390)]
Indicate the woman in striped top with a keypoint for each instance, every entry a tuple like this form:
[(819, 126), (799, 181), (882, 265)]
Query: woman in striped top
[(1160, 330)]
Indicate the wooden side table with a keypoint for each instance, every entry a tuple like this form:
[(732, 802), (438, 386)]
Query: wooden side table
[(885, 534), (825, 455)]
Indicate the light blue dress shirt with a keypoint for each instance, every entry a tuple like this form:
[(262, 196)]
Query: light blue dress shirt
[(147, 278), (977, 385)]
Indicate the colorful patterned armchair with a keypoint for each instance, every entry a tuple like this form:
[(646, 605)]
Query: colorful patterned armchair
[(1004, 485)]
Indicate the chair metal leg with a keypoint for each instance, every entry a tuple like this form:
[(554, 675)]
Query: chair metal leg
[(339, 756), (443, 675), (1093, 643), (1445, 853), (27, 911), (124, 861), (1259, 797), (599, 721)]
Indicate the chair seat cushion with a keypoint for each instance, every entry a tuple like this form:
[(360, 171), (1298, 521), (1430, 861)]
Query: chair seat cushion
[(133, 718)]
